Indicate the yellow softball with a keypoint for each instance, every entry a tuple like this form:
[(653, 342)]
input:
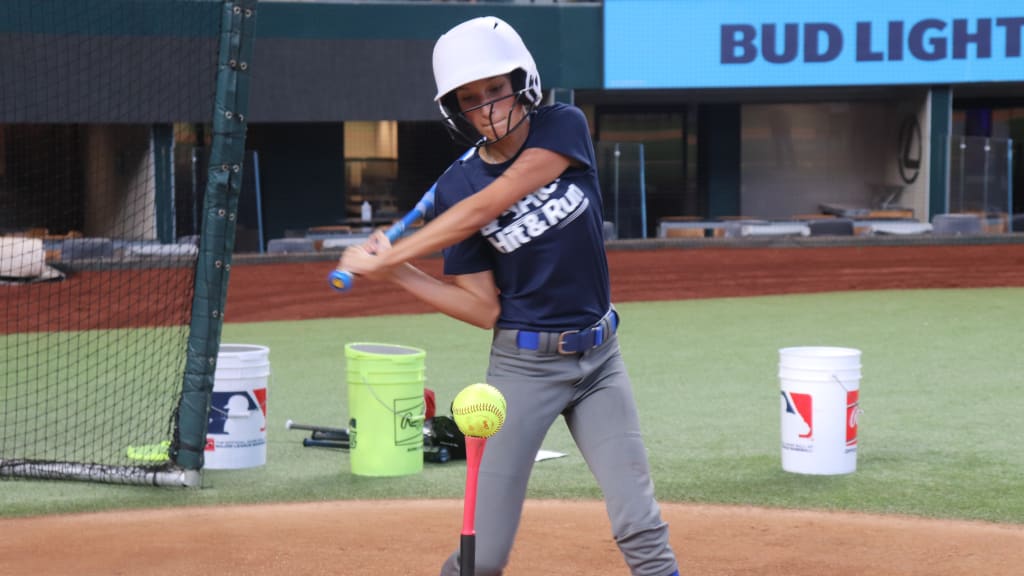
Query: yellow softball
[(479, 410)]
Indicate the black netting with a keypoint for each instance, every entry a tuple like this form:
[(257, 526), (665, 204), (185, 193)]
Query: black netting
[(96, 275)]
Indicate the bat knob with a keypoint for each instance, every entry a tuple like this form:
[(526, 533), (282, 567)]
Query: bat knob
[(340, 280)]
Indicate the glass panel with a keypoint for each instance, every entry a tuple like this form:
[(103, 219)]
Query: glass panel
[(979, 175), (662, 134), (620, 166)]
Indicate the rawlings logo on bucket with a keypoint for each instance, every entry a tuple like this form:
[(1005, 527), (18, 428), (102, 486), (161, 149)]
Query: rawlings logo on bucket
[(852, 412)]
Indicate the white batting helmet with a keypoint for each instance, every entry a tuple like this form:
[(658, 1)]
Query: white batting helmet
[(482, 48)]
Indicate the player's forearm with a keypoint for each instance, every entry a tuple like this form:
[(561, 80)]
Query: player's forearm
[(534, 169), (455, 225), (448, 299)]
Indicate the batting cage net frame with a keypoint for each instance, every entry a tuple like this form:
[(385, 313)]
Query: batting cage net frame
[(112, 303)]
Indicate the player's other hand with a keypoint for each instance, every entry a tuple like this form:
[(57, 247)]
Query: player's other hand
[(364, 260), (377, 243)]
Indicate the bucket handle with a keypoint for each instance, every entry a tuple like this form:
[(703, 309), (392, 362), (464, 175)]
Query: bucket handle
[(413, 420), (840, 382)]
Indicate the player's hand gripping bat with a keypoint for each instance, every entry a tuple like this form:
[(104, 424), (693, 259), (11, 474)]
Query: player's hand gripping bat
[(342, 280)]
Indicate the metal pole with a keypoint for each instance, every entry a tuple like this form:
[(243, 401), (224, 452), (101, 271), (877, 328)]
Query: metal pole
[(963, 175), (615, 185), (1009, 183), (984, 181), (259, 197), (643, 192)]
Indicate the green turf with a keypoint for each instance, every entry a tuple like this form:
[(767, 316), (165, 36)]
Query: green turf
[(941, 392), (71, 385)]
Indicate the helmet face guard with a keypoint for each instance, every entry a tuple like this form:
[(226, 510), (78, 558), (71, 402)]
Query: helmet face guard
[(461, 129), (477, 49)]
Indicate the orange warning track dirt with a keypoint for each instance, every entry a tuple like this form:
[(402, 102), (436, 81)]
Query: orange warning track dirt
[(289, 291)]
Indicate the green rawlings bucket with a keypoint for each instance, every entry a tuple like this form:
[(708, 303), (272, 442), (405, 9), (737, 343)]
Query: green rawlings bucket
[(386, 408)]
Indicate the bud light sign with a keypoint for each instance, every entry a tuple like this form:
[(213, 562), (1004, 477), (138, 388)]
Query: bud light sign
[(703, 44)]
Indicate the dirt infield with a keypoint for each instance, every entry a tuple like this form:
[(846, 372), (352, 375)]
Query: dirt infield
[(557, 538)]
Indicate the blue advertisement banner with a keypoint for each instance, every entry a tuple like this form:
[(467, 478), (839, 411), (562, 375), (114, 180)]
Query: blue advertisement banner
[(751, 43)]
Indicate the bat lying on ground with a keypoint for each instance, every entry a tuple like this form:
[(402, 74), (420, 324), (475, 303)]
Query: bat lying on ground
[(438, 445), (320, 432)]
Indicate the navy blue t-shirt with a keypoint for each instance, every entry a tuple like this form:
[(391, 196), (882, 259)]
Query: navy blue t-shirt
[(547, 251)]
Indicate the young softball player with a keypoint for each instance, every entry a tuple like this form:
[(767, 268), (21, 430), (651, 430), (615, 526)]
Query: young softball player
[(519, 221)]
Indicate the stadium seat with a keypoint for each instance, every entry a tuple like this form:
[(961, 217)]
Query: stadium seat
[(813, 216), (290, 245), (776, 229), (86, 248), (732, 226), (898, 228), (684, 233), (956, 224), (831, 227)]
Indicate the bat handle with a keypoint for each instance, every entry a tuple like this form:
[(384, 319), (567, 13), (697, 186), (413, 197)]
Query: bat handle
[(316, 443), (340, 280)]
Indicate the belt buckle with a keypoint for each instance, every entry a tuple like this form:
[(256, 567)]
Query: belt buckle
[(561, 341)]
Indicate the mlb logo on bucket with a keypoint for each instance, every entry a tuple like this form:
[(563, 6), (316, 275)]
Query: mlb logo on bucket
[(852, 412), (231, 412), (798, 409)]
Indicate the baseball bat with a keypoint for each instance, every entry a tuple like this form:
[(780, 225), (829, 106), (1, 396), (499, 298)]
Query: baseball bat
[(322, 435), (342, 280), (314, 443), (339, 432), (467, 541)]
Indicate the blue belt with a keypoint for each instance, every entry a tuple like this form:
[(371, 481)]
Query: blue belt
[(570, 341)]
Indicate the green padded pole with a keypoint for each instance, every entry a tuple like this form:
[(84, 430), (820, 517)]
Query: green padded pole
[(217, 240)]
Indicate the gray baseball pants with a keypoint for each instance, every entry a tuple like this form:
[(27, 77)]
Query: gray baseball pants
[(593, 392)]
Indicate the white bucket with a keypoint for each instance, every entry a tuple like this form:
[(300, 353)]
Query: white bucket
[(236, 434), (22, 257), (820, 407)]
